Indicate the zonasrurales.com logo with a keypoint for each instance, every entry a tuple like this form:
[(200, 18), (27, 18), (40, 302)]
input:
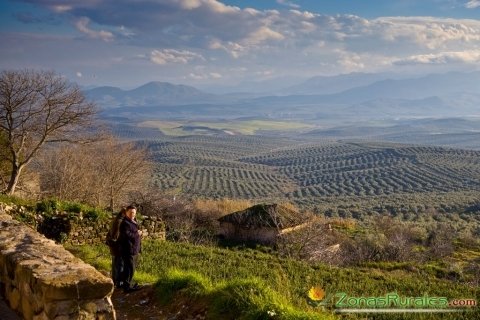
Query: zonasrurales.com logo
[(316, 296), (388, 303)]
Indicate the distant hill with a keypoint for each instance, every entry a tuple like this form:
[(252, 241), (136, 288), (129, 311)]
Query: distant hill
[(368, 96), (414, 88), (452, 94), (149, 94), (336, 84), (410, 89)]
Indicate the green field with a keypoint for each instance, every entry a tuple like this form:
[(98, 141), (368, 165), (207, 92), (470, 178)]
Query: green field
[(225, 127)]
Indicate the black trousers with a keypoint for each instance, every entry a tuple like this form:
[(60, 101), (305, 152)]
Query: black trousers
[(129, 262), (117, 268)]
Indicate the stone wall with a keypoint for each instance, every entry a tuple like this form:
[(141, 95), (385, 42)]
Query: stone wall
[(41, 280), (87, 231), (74, 229)]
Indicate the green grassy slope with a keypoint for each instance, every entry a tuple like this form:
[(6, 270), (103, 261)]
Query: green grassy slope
[(250, 284)]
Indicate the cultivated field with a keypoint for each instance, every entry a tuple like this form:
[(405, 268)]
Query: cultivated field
[(227, 127), (270, 168)]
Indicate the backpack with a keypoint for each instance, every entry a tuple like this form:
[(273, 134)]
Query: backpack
[(114, 233)]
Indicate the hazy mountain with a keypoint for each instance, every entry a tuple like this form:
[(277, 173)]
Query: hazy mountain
[(393, 108), (415, 88), (150, 94), (431, 93), (435, 95), (255, 87), (335, 84)]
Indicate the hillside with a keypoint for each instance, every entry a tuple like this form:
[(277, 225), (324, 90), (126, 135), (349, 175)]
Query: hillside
[(250, 284), (259, 168), (150, 94)]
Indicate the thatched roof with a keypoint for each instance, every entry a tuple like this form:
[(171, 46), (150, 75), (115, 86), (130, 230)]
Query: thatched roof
[(265, 216)]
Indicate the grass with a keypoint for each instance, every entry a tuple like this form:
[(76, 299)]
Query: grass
[(249, 284), (16, 200), (224, 206)]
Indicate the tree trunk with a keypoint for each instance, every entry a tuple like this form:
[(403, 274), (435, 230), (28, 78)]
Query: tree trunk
[(12, 184), (111, 198)]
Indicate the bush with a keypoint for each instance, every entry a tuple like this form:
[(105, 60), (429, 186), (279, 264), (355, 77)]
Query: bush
[(48, 206)]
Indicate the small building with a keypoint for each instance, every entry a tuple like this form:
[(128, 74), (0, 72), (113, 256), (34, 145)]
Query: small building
[(262, 223)]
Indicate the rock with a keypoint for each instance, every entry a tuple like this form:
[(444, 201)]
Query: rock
[(27, 310), (60, 308), (41, 316), (14, 298), (41, 278)]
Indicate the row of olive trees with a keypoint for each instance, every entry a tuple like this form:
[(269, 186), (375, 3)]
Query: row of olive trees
[(46, 120)]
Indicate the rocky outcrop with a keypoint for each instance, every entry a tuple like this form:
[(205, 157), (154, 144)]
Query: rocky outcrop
[(41, 280)]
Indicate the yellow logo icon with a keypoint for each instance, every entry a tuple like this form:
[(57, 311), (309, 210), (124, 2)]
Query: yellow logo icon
[(316, 293)]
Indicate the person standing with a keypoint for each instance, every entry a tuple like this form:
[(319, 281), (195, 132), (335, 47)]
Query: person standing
[(114, 245), (130, 244)]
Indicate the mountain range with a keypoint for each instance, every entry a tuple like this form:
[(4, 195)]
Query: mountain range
[(149, 94), (356, 96)]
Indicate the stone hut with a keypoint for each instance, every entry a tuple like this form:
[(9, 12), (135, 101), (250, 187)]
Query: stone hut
[(262, 223)]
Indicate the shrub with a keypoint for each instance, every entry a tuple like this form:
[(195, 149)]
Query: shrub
[(48, 206)]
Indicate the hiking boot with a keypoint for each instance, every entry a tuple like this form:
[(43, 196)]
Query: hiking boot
[(132, 288)]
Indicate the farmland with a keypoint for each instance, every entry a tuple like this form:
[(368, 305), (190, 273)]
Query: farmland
[(308, 172), (336, 179), (230, 127)]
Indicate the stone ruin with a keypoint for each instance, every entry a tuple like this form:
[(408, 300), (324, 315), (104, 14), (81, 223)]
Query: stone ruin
[(41, 280)]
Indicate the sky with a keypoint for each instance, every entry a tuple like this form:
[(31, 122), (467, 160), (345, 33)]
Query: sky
[(207, 43)]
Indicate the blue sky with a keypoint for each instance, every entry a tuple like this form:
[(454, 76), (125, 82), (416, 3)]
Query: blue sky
[(208, 42), (370, 8)]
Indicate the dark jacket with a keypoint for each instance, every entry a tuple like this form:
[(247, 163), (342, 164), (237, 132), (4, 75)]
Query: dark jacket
[(113, 235), (129, 239)]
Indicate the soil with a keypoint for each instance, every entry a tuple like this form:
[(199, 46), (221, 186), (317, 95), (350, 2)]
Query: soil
[(143, 305)]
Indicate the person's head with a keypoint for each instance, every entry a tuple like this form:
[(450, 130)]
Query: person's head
[(131, 212), (122, 212)]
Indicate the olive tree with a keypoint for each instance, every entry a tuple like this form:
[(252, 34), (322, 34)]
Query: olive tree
[(38, 107)]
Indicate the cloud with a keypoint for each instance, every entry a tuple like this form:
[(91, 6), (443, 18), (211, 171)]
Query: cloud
[(204, 76), (472, 4), (288, 4), (468, 57), (263, 34), (430, 33), (170, 56), (60, 8), (79, 74), (82, 25), (215, 75), (181, 33)]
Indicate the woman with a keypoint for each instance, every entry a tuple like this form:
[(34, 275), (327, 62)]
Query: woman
[(115, 250)]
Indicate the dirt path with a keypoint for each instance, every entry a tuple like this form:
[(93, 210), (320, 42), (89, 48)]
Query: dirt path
[(142, 305)]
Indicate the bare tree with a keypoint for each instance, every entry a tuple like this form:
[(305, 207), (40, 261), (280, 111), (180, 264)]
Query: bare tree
[(123, 167), (100, 173), (68, 172), (37, 107), (313, 240), (4, 164)]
